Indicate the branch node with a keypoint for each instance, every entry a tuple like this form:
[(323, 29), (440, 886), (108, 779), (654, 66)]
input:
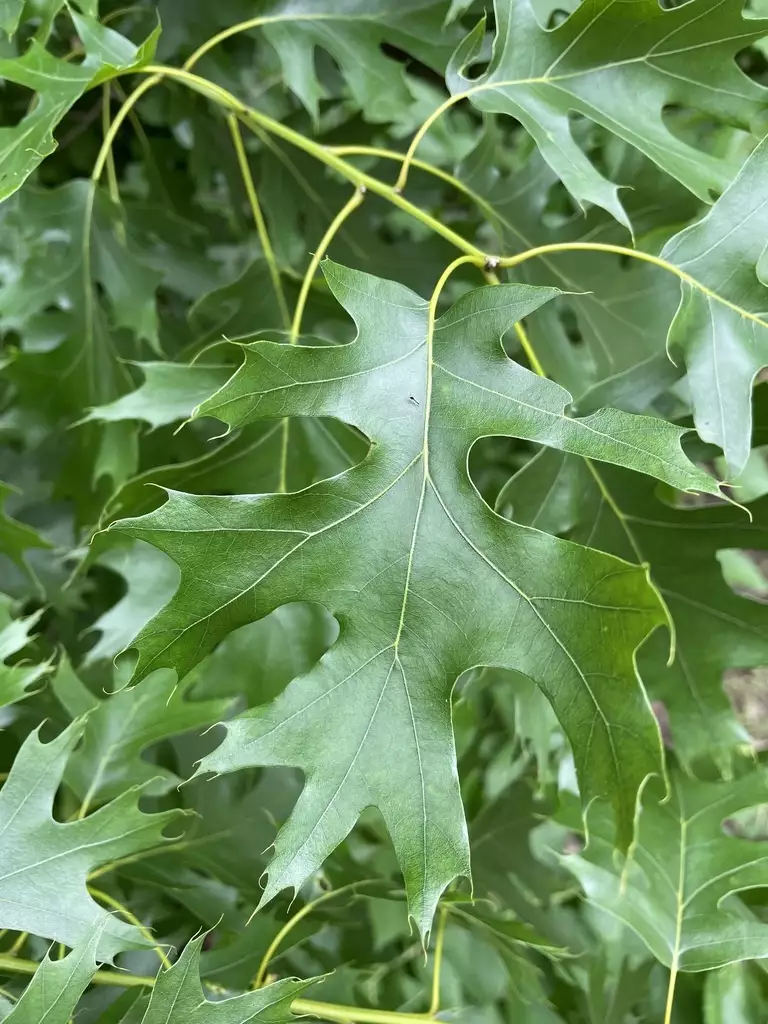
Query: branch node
[(491, 264)]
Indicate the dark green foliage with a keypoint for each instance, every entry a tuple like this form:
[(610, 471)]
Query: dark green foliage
[(383, 509)]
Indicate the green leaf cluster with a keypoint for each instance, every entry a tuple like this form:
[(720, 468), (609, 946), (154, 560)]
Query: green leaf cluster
[(384, 511)]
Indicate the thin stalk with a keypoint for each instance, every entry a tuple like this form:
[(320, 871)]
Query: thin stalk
[(17, 945), (109, 137), (529, 350), (670, 995), (306, 284), (434, 1003), (250, 116), (356, 1014), (258, 217), (452, 101), (244, 26), (131, 919), (347, 170), (402, 177), (289, 925), (15, 965), (611, 503), (638, 254), (349, 207), (422, 165), (460, 261), (157, 851), (141, 135), (327, 1011), (285, 433), (114, 188)]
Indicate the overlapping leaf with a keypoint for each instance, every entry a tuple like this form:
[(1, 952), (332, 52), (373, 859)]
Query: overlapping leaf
[(677, 892), (120, 728), (58, 85), (398, 549), (56, 987), (722, 328), (44, 863), (178, 997), (620, 65), (716, 629), (17, 678)]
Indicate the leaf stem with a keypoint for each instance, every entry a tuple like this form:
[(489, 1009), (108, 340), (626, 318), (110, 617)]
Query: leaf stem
[(529, 350), (258, 217), (349, 207), (638, 254), (114, 188), (306, 284), (356, 1014), (109, 137), (434, 1003), (347, 170), (244, 26), (110, 901), (290, 924), (326, 1011), (15, 965), (402, 177), (422, 165), (452, 101), (325, 155)]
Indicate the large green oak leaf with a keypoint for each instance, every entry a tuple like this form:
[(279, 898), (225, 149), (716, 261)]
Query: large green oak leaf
[(423, 578)]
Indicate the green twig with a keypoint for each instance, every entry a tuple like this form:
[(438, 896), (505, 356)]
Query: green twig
[(326, 1011), (258, 218)]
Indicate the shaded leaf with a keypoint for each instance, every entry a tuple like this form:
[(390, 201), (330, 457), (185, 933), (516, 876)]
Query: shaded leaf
[(150, 580), (723, 332), (119, 728), (677, 890), (170, 392)]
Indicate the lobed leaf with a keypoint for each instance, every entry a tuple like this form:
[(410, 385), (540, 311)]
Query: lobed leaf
[(621, 66), (399, 550), (44, 863)]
